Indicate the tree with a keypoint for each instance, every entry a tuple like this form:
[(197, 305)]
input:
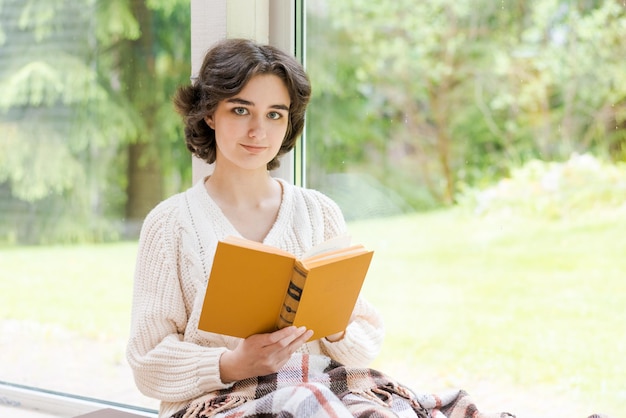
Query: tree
[(460, 91), (73, 101), (160, 59), (417, 61)]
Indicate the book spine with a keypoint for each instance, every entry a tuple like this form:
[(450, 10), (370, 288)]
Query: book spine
[(292, 298)]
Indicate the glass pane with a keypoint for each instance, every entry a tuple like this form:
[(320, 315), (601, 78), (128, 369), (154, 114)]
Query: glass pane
[(89, 142), (478, 147)]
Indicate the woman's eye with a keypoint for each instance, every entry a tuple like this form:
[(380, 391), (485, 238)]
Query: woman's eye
[(240, 111), (274, 115)]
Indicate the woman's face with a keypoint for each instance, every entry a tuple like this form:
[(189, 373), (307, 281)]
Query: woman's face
[(250, 127)]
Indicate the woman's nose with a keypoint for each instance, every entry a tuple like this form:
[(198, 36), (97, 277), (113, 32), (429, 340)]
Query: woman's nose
[(257, 128)]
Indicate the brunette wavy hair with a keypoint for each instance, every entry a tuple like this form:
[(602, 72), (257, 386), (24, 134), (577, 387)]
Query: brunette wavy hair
[(226, 69)]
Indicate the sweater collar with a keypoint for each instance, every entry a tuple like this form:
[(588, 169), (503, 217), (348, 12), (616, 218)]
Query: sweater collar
[(221, 223)]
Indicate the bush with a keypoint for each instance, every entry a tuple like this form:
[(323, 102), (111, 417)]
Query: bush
[(553, 190)]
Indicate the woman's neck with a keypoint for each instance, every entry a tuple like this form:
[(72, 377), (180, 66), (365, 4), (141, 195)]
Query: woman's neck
[(241, 189), (251, 202)]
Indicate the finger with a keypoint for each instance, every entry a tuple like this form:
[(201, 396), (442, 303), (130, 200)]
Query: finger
[(286, 335), (301, 340), (264, 340), (306, 336)]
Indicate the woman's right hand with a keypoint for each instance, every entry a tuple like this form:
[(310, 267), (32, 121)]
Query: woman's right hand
[(262, 354)]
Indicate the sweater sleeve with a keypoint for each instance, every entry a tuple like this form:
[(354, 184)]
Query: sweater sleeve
[(363, 339), (165, 366)]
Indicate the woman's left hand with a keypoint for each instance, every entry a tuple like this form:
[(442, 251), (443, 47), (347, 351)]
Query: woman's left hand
[(262, 354)]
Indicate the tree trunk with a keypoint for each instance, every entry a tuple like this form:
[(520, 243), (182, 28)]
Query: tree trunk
[(443, 140), (145, 179)]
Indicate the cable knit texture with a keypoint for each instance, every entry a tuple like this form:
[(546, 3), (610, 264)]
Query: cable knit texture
[(171, 360)]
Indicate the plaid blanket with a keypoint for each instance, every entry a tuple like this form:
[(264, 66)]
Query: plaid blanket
[(315, 386)]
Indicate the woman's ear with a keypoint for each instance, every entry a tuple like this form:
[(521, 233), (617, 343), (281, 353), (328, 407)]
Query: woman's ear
[(209, 121)]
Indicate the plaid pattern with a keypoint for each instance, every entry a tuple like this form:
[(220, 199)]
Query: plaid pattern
[(317, 387)]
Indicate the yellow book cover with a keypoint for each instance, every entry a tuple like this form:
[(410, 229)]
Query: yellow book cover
[(255, 288)]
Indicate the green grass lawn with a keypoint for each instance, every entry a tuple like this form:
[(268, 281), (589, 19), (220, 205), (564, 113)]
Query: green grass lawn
[(83, 288), (526, 303), (529, 303)]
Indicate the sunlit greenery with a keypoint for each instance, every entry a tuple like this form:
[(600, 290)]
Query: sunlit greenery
[(505, 119), (432, 97), (89, 140), (582, 186), (526, 302), (427, 99)]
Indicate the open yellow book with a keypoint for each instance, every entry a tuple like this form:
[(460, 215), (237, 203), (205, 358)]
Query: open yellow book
[(254, 288)]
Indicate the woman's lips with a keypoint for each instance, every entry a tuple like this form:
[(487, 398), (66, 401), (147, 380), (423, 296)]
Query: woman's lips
[(254, 149)]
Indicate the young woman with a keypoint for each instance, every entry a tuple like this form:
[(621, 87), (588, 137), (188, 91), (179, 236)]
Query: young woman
[(243, 112)]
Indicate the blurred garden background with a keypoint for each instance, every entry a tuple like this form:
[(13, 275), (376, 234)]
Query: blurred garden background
[(478, 146)]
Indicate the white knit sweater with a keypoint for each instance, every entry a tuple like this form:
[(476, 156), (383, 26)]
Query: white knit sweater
[(174, 362)]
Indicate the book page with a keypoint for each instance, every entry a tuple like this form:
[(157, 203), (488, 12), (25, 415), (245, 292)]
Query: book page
[(340, 241), (332, 256)]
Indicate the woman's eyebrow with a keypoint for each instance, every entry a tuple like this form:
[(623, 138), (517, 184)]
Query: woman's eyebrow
[(280, 107), (237, 100), (244, 102)]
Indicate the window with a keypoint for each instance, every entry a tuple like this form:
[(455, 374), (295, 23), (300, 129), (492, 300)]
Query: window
[(88, 143), (476, 146)]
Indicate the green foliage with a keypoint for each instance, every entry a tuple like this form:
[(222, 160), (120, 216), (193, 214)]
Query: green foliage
[(430, 98), (460, 92), (173, 68), (43, 83), (34, 175), (571, 82), (67, 115), (115, 22), (169, 9), (47, 85), (38, 18), (337, 105)]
